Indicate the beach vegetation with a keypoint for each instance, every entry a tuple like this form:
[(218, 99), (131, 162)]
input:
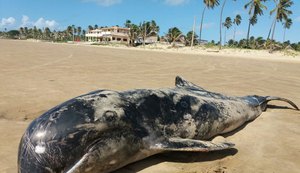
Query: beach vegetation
[(174, 35), (143, 33), (191, 38)]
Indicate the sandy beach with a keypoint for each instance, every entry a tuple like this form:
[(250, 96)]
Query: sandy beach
[(36, 76)]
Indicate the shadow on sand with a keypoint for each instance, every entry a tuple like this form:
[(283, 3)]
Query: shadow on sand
[(179, 157), (278, 107)]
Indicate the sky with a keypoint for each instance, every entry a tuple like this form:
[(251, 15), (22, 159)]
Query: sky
[(58, 14)]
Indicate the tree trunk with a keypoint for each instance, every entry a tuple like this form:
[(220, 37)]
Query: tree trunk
[(193, 34), (200, 35), (271, 29), (225, 37), (221, 16), (272, 39), (248, 33), (273, 32), (284, 35), (234, 32), (144, 35)]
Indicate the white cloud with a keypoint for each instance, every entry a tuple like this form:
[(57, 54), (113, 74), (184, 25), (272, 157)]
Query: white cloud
[(40, 23), (105, 3), (298, 19), (7, 22), (208, 25), (175, 2), (25, 21)]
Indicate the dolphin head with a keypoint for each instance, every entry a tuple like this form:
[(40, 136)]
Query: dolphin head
[(85, 129)]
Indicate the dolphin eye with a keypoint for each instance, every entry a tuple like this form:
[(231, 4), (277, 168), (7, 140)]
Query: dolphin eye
[(110, 116), (184, 104)]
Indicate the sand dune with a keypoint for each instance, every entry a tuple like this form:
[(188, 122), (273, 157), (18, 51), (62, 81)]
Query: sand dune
[(37, 76)]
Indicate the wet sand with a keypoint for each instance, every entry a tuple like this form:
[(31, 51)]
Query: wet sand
[(34, 77)]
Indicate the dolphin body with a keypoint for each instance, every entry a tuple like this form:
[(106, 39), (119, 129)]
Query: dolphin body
[(104, 130)]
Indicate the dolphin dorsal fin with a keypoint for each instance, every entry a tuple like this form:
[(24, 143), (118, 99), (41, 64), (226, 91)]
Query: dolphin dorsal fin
[(180, 82)]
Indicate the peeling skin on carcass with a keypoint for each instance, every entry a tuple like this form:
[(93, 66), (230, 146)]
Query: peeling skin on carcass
[(104, 130)]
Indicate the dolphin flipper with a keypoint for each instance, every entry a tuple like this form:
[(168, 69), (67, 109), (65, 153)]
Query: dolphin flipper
[(180, 144), (180, 82)]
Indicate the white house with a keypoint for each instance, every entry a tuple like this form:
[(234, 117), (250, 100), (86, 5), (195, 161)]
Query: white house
[(111, 34)]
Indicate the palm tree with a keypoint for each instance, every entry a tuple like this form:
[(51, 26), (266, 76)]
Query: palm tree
[(69, 32), (148, 29), (90, 28), (96, 26), (79, 32), (133, 32), (40, 34), (47, 33), (255, 8), (26, 31), (83, 34), (208, 4), (281, 13), (237, 21), (127, 23), (227, 24), (21, 30), (173, 35), (287, 25), (191, 38), (221, 18), (35, 32)]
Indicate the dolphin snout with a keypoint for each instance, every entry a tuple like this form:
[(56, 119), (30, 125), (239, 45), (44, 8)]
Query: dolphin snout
[(54, 142)]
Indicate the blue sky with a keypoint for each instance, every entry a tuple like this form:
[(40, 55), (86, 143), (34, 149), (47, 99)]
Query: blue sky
[(58, 14)]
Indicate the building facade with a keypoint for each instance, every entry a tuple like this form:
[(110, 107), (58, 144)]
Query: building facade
[(110, 34)]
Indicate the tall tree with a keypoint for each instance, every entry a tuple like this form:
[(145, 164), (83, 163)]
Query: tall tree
[(79, 30), (286, 25), (236, 21), (281, 12), (173, 35), (69, 32), (35, 32), (221, 19), (40, 34), (21, 30), (191, 38), (47, 33), (26, 31), (208, 4), (90, 27), (83, 34), (227, 24), (148, 29), (255, 8), (133, 32)]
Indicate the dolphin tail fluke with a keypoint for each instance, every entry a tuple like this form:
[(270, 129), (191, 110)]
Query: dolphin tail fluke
[(263, 102)]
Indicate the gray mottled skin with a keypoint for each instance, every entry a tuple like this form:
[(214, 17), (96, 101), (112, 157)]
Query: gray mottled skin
[(105, 130)]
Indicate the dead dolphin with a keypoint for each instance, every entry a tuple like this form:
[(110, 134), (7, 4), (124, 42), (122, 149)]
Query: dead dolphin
[(105, 130)]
